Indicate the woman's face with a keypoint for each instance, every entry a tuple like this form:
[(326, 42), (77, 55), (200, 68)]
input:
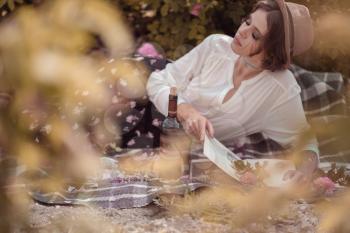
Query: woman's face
[(249, 36)]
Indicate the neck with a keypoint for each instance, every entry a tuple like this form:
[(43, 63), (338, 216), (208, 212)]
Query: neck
[(244, 71), (249, 63)]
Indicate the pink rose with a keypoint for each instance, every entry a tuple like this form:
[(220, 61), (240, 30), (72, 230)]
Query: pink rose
[(248, 178), (148, 50), (324, 185), (196, 9)]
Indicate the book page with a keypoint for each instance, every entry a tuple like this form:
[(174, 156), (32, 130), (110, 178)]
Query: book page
[(224, 158), (220, 155)]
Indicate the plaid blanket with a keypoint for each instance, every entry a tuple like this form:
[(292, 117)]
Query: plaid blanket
[(116, 193), (325, 108), (323, 104), (113, 188)]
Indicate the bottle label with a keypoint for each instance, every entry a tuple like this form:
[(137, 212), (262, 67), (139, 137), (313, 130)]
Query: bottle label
[(172, 108)]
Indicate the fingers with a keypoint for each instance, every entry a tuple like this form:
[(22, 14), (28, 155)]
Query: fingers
[(210, 128), (198, 126), (191, 127), (202, 130)]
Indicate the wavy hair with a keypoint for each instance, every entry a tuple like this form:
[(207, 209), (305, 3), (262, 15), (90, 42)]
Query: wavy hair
[(273, 43)]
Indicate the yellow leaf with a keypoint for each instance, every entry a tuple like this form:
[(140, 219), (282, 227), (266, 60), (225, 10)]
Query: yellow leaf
[(11, 4)]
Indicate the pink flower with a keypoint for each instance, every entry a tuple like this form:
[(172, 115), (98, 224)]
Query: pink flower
[(150, 135), (248, 178), (132, 104), (324, 185), (131, 142), (148, 50), (196, 9), (156, 122), (130, 118)]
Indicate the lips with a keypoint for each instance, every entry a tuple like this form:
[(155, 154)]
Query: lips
[(236, 40)]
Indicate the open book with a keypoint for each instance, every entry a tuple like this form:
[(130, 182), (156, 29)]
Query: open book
[(224, 159)]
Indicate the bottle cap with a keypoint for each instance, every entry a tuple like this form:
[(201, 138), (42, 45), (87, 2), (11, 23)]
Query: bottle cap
[(173, 91)]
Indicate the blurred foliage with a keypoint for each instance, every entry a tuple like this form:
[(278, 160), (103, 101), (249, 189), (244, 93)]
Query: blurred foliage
[(10, 3), (53, 95)]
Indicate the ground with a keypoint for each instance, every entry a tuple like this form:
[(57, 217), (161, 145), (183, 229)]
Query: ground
[(156, 219)]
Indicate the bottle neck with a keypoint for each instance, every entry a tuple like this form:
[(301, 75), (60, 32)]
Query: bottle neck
[(172, 107)]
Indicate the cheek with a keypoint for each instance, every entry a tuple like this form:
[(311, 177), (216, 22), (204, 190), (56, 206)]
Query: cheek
[(234, 48), (254, 47)]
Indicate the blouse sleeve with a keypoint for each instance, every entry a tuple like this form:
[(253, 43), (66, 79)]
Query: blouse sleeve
[(286, 121), (178, 74)]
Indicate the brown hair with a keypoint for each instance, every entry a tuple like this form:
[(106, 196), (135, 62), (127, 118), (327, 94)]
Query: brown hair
[(273, 42)]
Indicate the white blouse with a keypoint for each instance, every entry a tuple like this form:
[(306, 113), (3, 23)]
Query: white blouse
[(268, 103)]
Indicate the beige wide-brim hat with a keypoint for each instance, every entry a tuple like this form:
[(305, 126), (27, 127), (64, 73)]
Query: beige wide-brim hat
[(299, 32)]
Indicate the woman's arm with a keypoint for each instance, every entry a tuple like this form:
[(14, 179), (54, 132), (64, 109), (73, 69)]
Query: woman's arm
[(178, 74)]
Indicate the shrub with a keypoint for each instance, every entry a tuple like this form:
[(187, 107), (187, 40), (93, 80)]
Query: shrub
[(176, 26)]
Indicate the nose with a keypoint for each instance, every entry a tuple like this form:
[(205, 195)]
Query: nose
[(243, 31)]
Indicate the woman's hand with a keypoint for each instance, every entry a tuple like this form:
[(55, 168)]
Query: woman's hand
[(303, 174), (194, 123)]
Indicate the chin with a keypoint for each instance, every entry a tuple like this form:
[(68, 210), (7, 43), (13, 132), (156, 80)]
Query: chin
[(234, 48)]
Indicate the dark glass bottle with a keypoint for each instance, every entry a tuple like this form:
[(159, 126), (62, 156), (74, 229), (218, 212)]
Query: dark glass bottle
[(173, 136), (170, 122)]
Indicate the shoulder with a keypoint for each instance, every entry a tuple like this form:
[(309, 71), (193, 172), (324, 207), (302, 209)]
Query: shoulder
[(220, 38), (219, 41), (285, 80), (220, 44)]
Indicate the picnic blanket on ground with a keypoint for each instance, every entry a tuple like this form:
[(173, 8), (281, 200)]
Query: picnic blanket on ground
[(115, 189), (116, 193), (323, 105)]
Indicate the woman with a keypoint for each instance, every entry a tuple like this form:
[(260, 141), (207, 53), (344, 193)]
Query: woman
[(234, 87)]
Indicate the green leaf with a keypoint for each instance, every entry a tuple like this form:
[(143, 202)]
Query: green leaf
[(201, 29), (164, 10)]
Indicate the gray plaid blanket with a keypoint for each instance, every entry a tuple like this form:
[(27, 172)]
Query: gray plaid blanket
[(116, 193), (115, 189), (323, 104)]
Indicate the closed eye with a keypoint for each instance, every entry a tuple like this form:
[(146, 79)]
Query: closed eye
[(248, 22), (255, 34)]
